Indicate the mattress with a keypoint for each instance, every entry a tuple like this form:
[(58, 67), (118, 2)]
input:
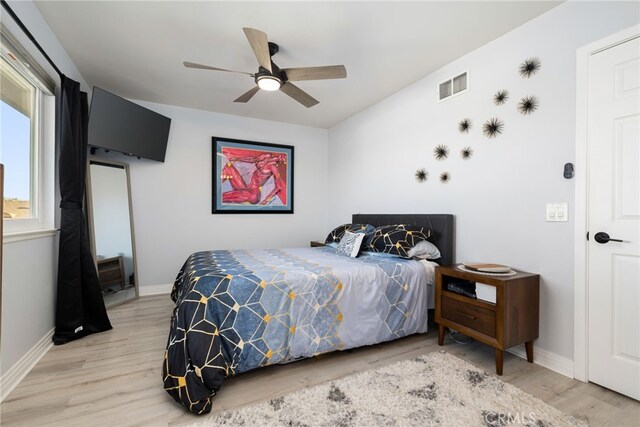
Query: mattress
[(240, 310)]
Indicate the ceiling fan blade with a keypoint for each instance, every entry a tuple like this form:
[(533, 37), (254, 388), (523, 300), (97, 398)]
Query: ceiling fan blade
[(208, 67), (247, 95), (260, 45), (316, 73), (299, 95)]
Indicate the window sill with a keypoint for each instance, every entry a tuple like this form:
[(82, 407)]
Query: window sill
[(28, 235)]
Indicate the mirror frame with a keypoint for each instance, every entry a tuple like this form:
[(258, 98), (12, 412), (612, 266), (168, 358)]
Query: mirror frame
[(91, 224)]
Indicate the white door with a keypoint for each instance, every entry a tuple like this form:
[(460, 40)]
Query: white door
[(614, 208)]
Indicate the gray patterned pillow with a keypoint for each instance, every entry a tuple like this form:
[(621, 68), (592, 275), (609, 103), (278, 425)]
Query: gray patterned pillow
[(350, 244)]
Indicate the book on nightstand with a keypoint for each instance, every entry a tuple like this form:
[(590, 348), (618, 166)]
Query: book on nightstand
[(465, 288)]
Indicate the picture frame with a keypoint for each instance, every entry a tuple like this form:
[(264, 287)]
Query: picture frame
[(251, 177)]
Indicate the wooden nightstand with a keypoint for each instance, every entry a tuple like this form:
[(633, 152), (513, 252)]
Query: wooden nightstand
[(511, 321), (316, 244), (111, 271)]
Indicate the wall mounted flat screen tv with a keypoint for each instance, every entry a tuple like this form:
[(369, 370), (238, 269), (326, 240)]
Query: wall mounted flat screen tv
[(120, 125)]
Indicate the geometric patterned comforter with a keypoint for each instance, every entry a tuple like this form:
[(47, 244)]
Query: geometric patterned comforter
[(243, 309)]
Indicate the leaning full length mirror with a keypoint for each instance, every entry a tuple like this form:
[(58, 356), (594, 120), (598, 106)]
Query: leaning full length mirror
[(111, 229)]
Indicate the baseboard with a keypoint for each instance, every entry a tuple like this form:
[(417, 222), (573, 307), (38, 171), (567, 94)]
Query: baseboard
[(17, 372), (144, 291), (545, 358)]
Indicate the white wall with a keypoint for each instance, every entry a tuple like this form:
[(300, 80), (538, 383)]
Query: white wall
[(29, 267), (28, 296), (172, 200), (499, 195)]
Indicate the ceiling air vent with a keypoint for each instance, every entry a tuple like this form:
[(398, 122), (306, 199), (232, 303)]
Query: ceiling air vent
[(453, 86)]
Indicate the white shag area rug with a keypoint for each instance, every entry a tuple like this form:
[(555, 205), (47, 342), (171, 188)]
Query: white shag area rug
[(434, 389)]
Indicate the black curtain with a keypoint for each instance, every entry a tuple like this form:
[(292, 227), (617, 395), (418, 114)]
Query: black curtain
[(80, 308)]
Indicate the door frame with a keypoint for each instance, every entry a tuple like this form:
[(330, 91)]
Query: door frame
[(581, 255)]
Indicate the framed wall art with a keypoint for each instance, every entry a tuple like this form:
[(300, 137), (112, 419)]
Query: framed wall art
[(251, 177)]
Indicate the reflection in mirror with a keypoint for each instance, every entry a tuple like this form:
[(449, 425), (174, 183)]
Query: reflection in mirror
[(111, 225)]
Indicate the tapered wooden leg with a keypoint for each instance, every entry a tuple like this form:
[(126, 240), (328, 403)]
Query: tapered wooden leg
[(529, 346), (499, 361), (441, 334)]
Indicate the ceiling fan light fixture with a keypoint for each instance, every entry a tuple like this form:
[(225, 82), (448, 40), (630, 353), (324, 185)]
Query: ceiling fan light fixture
[(268, 83), (271, 78)]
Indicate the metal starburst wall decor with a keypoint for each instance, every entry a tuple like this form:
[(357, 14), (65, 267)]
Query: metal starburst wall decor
[(441, 152), (528, 105), (529, 67), (501, 97), (421, 175), (464, 125), (492, 127)]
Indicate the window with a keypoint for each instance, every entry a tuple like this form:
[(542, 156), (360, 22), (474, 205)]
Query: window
[(26, 140), (453, 86), (18, 143)]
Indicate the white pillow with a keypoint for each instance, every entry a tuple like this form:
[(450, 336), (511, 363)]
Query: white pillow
[(349, 244), (424, 250)]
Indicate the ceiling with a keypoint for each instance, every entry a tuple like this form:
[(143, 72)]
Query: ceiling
[(136, 49)]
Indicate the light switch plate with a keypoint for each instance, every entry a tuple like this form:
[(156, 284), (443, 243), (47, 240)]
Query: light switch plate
[(557, 212)]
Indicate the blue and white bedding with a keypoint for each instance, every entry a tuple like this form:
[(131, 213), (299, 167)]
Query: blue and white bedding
[(239, 310)]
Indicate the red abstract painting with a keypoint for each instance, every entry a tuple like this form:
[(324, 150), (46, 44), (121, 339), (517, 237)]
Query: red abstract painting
[(257, 178)]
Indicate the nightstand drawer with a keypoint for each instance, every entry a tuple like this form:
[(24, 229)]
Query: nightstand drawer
[(476, 318), (110, 271), (110, 275)]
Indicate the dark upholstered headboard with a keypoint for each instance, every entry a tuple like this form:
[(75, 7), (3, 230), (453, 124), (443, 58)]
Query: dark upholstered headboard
[(441, 226)]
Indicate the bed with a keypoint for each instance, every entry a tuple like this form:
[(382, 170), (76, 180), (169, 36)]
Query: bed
[(243, 309)]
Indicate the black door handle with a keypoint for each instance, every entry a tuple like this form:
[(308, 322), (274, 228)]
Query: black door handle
[(602, 237)]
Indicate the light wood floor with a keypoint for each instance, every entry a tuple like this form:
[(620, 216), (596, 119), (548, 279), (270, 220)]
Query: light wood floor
[(114, 379)]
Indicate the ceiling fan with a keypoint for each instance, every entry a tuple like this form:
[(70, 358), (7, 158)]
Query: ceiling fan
[(270, 77)]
